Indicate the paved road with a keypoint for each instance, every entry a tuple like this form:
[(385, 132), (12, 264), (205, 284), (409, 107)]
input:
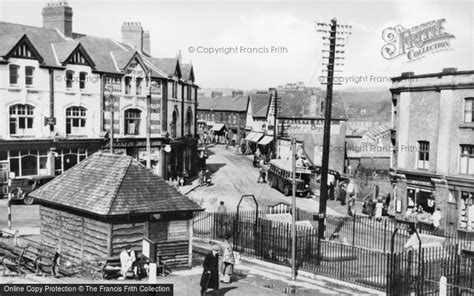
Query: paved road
[(246, 281), (233, 176), (23, 216)]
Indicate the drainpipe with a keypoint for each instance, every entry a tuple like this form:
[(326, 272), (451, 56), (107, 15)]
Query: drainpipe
[(52, 149)]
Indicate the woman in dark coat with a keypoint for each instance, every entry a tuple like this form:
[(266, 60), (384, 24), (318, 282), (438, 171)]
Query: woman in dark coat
[(210, 273)]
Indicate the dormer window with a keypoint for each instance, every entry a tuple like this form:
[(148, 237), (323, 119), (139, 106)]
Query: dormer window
[(82, 80), (29, 72), (14, 74), (69, 78)]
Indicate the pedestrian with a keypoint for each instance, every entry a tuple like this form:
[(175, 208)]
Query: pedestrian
[(370, 207), (436, 217), (351, 205), (226, 139), (222, 208), (210, 273), (129, 266), (201, 177), (221, 219), (378, 210), (228, 260), (331, 191), (262, 175)]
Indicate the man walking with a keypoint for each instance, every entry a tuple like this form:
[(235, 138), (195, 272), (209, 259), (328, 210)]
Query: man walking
[(210, 273)]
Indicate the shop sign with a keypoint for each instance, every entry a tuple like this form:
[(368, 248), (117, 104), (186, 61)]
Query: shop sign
[(308, 126)]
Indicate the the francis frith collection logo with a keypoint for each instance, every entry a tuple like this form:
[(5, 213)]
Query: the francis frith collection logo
[(416, 42)]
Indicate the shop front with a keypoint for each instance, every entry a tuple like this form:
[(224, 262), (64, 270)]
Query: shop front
[(416, 196), (49, 157), (460, 204)]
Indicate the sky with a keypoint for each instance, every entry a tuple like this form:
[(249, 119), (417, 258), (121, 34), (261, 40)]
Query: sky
[(262, 44)]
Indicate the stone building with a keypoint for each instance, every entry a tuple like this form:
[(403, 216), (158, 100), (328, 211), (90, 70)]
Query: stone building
[(59, 89), (433, 136)]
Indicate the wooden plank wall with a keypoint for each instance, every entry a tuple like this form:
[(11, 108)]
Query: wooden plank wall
[(80, 238), (124, 234)]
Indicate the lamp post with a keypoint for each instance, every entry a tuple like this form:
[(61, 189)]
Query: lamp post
[(293, 211)]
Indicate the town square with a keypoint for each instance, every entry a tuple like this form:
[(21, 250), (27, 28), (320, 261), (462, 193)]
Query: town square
[(233, 148)]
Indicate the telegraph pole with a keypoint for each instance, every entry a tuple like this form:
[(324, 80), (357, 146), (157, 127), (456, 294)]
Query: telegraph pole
[(327, 124)]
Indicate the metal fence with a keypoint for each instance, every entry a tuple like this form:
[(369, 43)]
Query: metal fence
[(354, 249), (419, 272), (260, 238)]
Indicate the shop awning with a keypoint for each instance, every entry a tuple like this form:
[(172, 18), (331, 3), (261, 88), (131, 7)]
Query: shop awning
[(265, 140), (250, 136), (256, 137), (218, 127)]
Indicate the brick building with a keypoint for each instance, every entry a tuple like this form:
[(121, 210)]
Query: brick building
[(219, 113), (300, 115), (433, 160), (58, 89)]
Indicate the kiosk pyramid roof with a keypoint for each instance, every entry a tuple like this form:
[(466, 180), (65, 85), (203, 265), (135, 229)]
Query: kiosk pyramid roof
[(112, 185)]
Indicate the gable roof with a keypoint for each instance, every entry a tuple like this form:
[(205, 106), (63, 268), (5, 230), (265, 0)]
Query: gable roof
[(41, 39), (8, 42), (54, 48), (65, 50), (112, 185), (169, 65), (224, 103), (259, 103), (187, 71), (11, 42), (302, 104)]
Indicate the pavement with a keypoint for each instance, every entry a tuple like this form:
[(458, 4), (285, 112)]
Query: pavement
[(251, 277), (278, 277)]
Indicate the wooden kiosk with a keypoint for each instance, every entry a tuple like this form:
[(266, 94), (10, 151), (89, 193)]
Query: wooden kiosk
[(108, 201)]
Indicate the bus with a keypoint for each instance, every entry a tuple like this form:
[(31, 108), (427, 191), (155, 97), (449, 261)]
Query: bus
[(280, 177)]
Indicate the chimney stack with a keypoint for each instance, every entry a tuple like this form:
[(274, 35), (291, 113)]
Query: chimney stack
[(236, 93), (146, 42), (132, 34), (215, 94), (58, 15)]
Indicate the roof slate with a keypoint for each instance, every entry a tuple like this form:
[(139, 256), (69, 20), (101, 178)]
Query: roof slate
[(40, 37), (187, 71), (168, 65), (7, 42), (104, 52), (224, 103), (110, 185), (259, 103), (302, 104), (64, 50)]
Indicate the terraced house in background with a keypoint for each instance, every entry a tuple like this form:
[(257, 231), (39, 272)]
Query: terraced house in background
[(64, 94), (219, 113)]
